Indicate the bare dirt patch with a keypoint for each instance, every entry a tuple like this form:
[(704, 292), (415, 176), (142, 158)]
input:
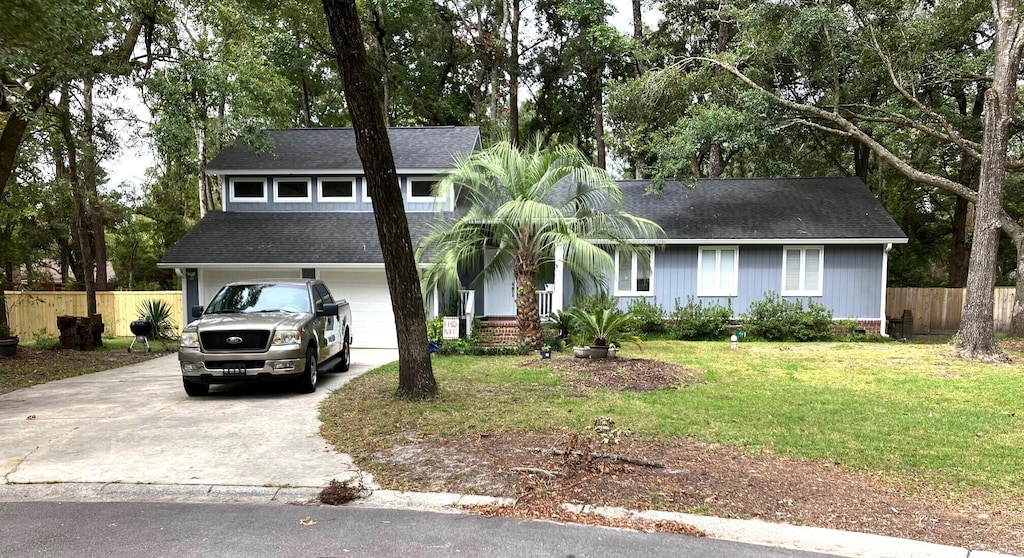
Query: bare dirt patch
[(621, 374), (33, 366), (543, 471)]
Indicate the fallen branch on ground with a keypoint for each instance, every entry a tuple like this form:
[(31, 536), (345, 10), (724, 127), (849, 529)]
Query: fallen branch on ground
[(606, 456), (535, 470)]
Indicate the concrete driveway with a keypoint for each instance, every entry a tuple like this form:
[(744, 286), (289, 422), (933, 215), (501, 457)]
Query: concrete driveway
[(136, 425)]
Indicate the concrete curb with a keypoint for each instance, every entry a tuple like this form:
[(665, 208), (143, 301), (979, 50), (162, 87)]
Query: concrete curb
[(793, 537)]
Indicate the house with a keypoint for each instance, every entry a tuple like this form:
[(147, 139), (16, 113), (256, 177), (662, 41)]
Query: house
[(301, 209), (732, 241)]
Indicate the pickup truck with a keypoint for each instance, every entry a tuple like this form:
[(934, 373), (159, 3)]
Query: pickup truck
[(266, 330)]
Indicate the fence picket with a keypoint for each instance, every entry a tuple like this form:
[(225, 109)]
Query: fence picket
[(939, 310)]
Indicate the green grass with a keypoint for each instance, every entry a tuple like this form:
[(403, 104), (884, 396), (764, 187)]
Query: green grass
[(912, 412), (36, 365)]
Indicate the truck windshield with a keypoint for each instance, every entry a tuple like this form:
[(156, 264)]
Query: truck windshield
[(260, 297)]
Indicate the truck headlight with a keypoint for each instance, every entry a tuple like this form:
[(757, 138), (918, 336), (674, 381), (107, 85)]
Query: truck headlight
[(287, 337), (189, 339)]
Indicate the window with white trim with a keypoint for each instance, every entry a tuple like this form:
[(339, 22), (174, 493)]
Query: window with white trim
[(634, 273), (421, 190), (248, 190), (718, 270), (336, 190), (802, 270), (294, 190)]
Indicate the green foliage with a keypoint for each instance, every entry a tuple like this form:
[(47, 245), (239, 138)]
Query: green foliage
[(648, 317), (777, 319), (43, 339), (158, 313), (5, 331), (591, 303), (471, 348), (435, 329), (604, 326), (696, 322)]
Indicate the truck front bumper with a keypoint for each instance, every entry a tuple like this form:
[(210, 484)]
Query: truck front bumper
[(277, 364)]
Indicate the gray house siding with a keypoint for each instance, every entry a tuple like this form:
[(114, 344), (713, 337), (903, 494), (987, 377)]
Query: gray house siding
[(851, 279)]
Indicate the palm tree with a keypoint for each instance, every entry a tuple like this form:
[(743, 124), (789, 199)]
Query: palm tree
[(526, 202)]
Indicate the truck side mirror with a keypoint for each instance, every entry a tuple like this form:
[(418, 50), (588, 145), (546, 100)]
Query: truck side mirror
[(328, 310), (197, 311)]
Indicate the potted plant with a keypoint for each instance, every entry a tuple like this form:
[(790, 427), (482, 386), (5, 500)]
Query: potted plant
[(613, 350), (605, 326), (545, 352), (8, 342)]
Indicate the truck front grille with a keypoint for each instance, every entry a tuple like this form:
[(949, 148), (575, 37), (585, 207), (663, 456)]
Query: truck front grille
[(252, 340)]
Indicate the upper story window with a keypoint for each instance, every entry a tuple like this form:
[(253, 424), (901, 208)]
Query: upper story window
[(717, 270), (292, 190), (337, 190), (421, 190), (802, 268), (366, 190), (248, 190), (634, 273)]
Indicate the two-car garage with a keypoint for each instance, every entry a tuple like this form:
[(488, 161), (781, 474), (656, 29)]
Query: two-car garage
[(366, 290)]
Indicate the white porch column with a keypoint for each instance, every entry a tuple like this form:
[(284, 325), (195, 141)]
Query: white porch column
[(885, 284), (556, 304)]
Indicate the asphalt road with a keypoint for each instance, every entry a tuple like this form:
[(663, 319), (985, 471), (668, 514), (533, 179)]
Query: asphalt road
[(133, 529)]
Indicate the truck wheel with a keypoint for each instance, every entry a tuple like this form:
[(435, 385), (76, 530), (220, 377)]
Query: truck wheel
[(307, 383), (194, 389), (346, 356)]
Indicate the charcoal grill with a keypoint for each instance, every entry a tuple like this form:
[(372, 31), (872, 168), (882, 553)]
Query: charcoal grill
[(142, 329)]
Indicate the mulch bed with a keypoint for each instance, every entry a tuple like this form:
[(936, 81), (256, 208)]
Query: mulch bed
[(619, 374)]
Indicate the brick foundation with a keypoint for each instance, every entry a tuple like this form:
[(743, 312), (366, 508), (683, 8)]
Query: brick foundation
[(499, 332)]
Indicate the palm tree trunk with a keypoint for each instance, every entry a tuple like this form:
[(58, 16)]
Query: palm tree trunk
[(527, 311)]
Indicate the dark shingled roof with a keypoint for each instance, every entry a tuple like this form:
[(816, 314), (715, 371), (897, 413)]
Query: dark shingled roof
[(285, 237), (763, 209), (335, 148)]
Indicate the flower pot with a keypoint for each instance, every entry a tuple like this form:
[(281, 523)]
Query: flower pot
[(9, 346), (599, 351), (545, 354), (581, 352), (613, 352)]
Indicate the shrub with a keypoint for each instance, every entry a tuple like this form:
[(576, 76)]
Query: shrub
[(777, 319), (648, 317), (159, 313), (696, 322), (435, 329), (591, 303), (604, 327), (468, 347)]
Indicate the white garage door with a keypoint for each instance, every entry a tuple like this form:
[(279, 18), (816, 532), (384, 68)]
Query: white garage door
[(367, 293)]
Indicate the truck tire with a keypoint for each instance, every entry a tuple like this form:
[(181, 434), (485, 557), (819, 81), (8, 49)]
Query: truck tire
[(307, 382), (194, 389), (346, 356)]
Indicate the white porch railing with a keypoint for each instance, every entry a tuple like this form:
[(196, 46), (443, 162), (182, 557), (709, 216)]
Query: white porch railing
[(545, 303)]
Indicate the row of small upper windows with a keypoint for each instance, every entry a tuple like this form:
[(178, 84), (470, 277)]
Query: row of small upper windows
[(337, 190), (718, 271)]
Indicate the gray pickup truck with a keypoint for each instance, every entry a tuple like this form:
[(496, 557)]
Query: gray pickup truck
[(266, 330)]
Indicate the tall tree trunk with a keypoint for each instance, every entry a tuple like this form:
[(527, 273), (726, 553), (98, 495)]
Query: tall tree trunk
[(82, 221), (638, 35), (205, 197), (381, 36), (90, 165), (1017, 314), (498, 63), (977, 331), (602, 156), (527, 312), (513, 74), (415, 373)]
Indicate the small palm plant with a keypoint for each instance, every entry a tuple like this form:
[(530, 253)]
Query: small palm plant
[(158, 313), (604, 326)]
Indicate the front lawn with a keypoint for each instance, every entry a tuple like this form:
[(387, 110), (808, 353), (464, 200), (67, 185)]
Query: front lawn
[(914, 414)]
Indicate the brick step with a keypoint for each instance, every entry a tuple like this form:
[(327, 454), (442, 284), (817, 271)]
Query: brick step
[(499, 333)]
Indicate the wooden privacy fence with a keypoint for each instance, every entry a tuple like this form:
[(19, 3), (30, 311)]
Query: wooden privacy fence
[(31, 311), (938, 310)]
